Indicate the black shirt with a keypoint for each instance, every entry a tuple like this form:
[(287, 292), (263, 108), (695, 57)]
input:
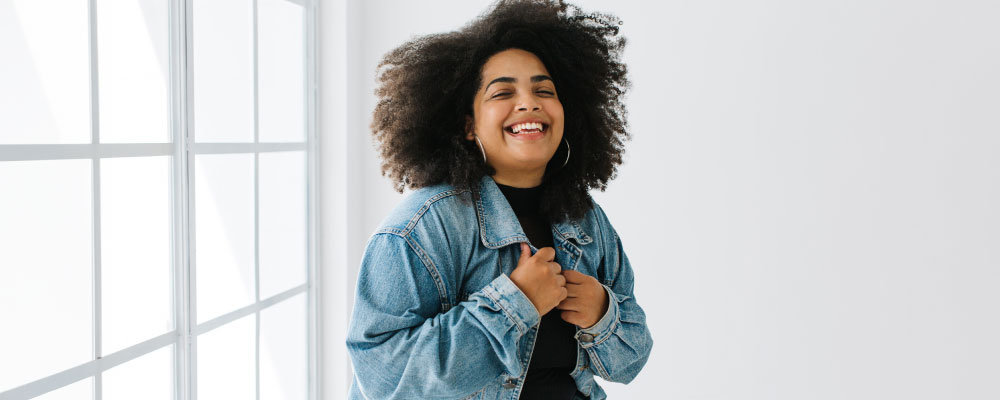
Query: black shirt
[(554, 355)]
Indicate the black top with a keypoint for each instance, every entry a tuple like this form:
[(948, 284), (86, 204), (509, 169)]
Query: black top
[(554, 356)]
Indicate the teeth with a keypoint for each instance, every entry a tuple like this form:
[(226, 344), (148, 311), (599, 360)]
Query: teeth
[(526, 126)]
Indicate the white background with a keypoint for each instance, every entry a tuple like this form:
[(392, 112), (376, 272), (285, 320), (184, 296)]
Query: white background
[(809, 201)]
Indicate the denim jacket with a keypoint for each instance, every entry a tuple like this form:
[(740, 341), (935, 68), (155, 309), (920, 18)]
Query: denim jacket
[(436, 315)]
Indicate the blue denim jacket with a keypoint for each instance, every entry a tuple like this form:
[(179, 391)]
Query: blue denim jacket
[(436, 315)]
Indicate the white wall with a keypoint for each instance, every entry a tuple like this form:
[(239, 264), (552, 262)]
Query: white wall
[(809, 201)]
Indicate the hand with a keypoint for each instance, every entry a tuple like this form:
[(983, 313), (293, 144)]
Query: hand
[(586, 300), (538, 278)]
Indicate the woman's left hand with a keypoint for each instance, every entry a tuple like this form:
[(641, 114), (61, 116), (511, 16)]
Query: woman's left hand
[(586, 300)]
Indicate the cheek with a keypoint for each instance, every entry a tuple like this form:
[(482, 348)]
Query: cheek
[(556, 110), (490, 119)]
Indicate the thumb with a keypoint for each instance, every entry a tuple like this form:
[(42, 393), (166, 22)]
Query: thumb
[(525, 253)]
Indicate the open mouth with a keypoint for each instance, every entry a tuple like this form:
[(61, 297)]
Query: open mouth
[(526, 128)]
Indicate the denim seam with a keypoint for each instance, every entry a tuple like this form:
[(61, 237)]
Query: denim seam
[(496, 299), (611, 331), (427, 205), (596, 361), (424, 259)]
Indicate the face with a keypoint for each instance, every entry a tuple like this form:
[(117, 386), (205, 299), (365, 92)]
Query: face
[(517, 116)]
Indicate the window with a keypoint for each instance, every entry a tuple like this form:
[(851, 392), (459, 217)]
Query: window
[(157, 197)]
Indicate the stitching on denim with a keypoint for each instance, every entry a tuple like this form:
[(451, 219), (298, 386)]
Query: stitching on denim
[(596, 362), (427, 205), (431, 269), (584, 238), (611, 331), (496, 299), (481, 216)]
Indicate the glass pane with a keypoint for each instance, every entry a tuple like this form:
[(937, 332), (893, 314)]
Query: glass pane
[(46, 237), (224, 224), (135, 250), (282, 222), (80, 390), (281, 75), (132, 69), (149, 377), (45, 72), (223, 70), (226, 361), (283, 350)]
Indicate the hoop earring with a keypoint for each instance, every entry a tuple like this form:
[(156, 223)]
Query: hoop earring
[(481, 150), (567, 152)]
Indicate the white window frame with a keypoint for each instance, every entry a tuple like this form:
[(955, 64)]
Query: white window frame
[(183, 149)]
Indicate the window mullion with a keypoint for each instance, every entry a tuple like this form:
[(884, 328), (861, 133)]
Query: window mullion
[(181, 109), (256, 203), (95, 139), (312, 204)]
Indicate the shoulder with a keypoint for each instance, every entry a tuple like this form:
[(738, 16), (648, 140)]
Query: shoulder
[(442, 203)]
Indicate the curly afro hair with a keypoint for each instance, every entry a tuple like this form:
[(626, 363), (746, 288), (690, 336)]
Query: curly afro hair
[(427, 85)]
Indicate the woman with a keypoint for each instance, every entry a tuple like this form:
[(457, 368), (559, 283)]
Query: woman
[(499, 277)]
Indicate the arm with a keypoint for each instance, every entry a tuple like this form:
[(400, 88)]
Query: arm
[(403, 346), (621, 341)]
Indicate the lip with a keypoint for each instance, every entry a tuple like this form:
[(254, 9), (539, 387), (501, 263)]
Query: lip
[(528, 136)]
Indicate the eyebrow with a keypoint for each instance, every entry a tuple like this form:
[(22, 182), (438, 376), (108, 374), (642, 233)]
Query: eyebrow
[(507, 79)]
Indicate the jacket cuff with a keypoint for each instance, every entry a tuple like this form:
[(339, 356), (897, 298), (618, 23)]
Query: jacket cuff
[(602, 329), (513, 301)]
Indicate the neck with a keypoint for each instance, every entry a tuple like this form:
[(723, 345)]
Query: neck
[(520, 179)]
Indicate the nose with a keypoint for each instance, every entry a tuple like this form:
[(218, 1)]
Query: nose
[(528, 102)]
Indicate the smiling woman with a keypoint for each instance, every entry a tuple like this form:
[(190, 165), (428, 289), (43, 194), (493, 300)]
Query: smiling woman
[(518, 119), (500, 277)]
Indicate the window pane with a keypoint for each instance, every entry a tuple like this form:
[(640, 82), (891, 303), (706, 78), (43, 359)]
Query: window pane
[(223, 70), (135, 250), (281, 75), (283, 350), (226, 361), (224, 231), (132, 66), (282, 222), (45, 72), (46, 238), (81, 390), (149, 377)]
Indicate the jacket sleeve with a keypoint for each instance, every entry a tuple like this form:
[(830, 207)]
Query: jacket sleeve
[(402, 345), (619, 344)]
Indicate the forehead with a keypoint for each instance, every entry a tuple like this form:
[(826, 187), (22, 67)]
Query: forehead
[(514, 63)]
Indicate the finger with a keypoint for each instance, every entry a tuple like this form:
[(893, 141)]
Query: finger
[(560, 280), (546, 254), (575, 276), (569, 303), (555, 267), (574, 289), (525, 253)]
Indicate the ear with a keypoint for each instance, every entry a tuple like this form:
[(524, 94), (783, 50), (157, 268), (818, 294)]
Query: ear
[(470, 128)]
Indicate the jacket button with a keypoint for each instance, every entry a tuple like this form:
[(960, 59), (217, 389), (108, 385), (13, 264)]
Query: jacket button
[(586, 337), (510, 383)]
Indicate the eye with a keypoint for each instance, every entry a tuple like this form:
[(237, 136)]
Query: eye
[(499, 94), (545, 92)]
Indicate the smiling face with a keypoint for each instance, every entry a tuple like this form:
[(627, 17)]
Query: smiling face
[(517, 117)]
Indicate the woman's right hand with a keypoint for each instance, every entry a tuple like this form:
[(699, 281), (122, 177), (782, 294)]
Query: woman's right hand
[(540, 278)]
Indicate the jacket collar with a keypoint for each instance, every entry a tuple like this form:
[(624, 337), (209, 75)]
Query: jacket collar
[(498, 226)]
